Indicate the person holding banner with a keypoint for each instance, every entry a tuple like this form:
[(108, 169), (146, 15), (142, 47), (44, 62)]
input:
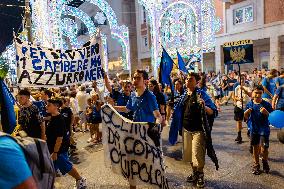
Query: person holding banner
[(142, 103), (120, 97), (242, 96)]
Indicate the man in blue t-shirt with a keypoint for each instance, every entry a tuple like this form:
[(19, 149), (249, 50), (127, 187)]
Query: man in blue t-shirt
[(256, 114), (120, 97), (278, 99), (14, 169), (269, 85), (280, 80), (142, 103), (231, 82)]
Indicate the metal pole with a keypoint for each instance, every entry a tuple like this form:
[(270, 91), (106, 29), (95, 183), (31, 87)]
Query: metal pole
[(241, 85), (28, 24)]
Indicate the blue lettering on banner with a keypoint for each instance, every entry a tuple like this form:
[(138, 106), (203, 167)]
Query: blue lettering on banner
[(48, 65), (42, 55), (93, 50), (99, 72), (33, 52), (24, 50), (80, 63), (95, 62), (82, 54), (85, 65), (88, 76), (58, 66), (41, 66), (72, 66), (94, 74), (66, 66), (35, 67)]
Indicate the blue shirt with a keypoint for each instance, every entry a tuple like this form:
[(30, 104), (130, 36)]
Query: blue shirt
[(121, 100), (280, 81), (14, 169), (143, 106), (280, 92), (41, 105), (258, 122), (270, 84)]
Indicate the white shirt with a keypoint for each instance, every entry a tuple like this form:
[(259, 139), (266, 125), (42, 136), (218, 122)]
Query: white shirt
[(246, 98), (82, 98), (74, 106)]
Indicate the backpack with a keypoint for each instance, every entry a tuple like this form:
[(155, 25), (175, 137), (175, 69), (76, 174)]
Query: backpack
[(38, 159)]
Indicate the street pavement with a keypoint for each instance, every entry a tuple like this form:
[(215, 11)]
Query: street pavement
[(234, 159)]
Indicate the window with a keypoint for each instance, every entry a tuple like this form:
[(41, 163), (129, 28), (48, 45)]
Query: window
[(144, 43), (144, 15), (145, 40), (243, 15)]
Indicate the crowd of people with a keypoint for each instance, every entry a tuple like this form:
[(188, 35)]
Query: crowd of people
[(56, 114)]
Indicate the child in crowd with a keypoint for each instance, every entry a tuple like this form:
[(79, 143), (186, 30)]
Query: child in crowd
[(256, 114), (241, 97), (89, 112), (57, 142), (96, 117)]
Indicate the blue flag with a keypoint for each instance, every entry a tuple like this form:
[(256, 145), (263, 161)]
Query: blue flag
[(181, 64), (7, 101), (166, 68)]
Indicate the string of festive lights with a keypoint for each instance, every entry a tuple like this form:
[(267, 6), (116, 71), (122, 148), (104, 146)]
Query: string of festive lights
[(173, 21), (118, 32)]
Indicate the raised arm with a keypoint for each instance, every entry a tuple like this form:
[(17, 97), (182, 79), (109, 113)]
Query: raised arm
[(107, 84)]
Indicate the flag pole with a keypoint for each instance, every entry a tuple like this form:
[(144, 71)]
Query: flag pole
[(241, 85)]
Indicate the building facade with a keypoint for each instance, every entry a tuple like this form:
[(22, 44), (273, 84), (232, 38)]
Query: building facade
[(259, 20), (125, 13), (143, 38)]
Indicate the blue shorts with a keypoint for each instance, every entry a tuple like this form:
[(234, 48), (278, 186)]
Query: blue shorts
[(63, 164)]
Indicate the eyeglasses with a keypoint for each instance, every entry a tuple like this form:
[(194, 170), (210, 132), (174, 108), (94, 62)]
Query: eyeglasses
[(258, 92)]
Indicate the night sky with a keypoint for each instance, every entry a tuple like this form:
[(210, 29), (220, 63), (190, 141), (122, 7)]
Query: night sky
[(10, 17)]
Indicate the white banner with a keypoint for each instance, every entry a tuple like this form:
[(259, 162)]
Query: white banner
[(45, 67), (133, 150)]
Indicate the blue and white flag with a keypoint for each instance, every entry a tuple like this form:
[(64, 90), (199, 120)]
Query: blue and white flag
[(166, 68), (181, 64), (8, 116)]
